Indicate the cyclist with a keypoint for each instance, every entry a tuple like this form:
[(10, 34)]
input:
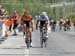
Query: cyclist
[(26, 22), (61, 23), (43, 19)]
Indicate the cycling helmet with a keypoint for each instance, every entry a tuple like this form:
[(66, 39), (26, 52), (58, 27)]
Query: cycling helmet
[(26, 12), (44, 13)]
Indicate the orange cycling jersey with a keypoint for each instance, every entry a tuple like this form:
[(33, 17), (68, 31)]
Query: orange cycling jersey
[(28, 18)]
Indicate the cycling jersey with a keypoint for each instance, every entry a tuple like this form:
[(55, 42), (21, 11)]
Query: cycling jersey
[(43, 19), (26, 18), (27, 21)]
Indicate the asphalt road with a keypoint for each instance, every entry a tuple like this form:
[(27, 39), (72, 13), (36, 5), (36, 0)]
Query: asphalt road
[(60, 43)]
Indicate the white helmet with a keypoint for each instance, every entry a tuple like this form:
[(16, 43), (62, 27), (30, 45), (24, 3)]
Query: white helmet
[(44, 13)]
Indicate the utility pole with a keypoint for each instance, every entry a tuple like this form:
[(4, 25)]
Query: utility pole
[(74, 6), (54, 11), (63, 9), (49, 1), (73, 11)]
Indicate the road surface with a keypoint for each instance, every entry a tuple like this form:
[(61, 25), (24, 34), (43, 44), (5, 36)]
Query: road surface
[(59, 44)]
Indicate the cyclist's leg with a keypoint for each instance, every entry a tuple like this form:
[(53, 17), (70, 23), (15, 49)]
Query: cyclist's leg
[(14, 29), (41, 38), (46, 26), (30, 37), (40, 29), (30, 33)]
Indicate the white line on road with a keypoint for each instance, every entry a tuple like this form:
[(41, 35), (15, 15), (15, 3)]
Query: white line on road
[(26, 52)]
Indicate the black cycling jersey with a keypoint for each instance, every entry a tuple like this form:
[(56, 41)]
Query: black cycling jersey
[(42, 23)]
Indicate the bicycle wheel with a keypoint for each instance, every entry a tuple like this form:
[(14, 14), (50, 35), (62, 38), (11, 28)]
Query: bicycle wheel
[(28, 44), (26, 40), (41, 44), (45, 43), (41, 39)]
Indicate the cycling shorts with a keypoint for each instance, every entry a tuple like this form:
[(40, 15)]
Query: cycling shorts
[(28, 25)]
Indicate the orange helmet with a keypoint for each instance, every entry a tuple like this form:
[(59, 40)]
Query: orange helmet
[(26, 12)]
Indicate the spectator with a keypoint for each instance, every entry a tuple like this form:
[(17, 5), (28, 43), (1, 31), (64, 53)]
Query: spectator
[(9, 23), (15, 19), (4, 26), (3, 16)]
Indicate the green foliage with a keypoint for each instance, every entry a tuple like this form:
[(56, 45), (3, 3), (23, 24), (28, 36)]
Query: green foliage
[(35, 7)]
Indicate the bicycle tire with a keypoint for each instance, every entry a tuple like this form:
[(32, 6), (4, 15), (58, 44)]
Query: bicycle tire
[(44, 38)]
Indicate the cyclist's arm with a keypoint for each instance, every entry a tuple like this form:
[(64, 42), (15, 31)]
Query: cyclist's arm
[(47, 22), (32, 22), (37, 24), (22, 22)]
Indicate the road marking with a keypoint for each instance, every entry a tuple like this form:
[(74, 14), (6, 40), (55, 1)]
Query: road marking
[(26, 52)]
